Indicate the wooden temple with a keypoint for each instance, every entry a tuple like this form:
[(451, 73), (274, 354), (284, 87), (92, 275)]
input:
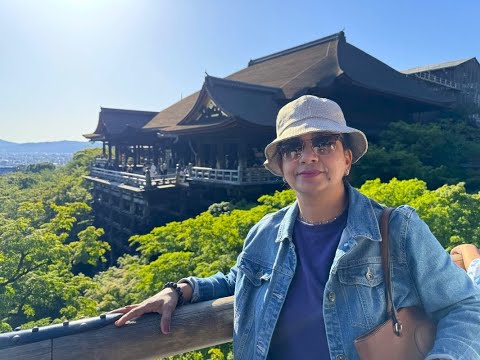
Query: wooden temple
[(208, 147), (459, 79)]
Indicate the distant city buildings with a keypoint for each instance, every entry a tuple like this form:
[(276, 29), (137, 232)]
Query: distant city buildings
[(10, 161)]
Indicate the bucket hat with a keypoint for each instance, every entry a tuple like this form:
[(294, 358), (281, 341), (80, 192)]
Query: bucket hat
[(309, 114)]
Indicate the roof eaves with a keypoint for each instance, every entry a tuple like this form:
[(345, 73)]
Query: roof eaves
[(438, 103)]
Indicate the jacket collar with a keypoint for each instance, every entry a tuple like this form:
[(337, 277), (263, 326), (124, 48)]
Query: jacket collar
[(362, 219)]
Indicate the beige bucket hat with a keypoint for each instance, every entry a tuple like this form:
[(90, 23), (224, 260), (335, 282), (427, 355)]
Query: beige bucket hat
[(309, 114)]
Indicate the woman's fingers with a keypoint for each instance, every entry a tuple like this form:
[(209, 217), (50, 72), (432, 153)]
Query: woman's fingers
[(123, 310), (163, 303), (166, 319), (458, 260), (131, 314)]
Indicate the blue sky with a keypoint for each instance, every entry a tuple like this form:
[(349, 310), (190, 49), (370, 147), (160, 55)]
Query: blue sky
[(60, 60)]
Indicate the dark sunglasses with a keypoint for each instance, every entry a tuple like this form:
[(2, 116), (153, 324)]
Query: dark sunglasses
[(322, 145)]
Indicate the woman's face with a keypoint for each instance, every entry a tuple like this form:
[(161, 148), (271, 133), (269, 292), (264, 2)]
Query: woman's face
[(315, 163)]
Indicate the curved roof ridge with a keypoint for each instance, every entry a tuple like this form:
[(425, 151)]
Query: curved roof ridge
[(338, 35)]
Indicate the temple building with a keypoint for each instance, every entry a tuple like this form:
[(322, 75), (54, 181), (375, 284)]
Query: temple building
[(208, 147), (459, 79)]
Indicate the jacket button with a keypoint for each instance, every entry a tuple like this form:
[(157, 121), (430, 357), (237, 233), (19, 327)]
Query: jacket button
[(341, 357), (369, 275), (331, 296)]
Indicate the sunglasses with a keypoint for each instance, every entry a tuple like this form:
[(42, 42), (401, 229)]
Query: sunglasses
[(322, 145)]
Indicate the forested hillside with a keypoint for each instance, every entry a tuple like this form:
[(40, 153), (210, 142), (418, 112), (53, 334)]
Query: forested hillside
[(45, 232), (47, 237)]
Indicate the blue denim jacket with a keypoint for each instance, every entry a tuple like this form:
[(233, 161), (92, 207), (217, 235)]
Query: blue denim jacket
[(422, 274)]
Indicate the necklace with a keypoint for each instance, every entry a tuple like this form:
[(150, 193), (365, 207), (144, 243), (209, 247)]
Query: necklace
[(324, 222)]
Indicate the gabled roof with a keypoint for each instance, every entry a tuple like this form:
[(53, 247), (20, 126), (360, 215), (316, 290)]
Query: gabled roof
[(438, 66), (255, 93), (296, 69), (285, 71), (116, 121), (256, 104), (368, 72), (235, 100)]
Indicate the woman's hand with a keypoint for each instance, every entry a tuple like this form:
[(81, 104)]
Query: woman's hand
[(464, 254), (163, 303)]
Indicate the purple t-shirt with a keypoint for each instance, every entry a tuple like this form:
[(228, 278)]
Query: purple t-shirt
[(300, 330)]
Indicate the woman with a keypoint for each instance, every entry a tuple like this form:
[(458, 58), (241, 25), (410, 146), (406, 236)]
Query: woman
[(309, 279)]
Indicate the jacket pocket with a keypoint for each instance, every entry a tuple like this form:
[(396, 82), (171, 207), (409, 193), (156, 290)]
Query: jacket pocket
[(253, 279), (255, 272), (362, 294)]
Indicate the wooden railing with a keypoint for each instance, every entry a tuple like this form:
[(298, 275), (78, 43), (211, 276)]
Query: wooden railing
[(205, 174), (259, 175), (236, 177), (193, 327), (438, 80), (197, 174), (132, 179)]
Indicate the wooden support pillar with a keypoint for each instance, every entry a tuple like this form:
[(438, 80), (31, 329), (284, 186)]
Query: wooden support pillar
[(117, 157), (202, 155), (104, 150), (220, 156), (242, 155), (155, 154), (109, 151)]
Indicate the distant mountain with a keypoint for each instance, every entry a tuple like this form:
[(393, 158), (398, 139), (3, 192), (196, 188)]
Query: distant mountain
[(4, 143), (46, 147)]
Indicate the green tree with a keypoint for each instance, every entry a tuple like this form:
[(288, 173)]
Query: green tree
[(451, 213), (41, 243), (442, 152)]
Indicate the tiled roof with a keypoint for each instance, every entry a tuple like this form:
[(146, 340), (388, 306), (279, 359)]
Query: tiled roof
[(254, 94), (116, 121), (438, 66), (366, 71), (292, 73)]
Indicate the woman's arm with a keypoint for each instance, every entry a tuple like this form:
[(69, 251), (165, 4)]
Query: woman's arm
[(444, 290), (194, 289)]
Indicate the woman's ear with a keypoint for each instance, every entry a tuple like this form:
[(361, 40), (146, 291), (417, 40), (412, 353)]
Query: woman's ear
[(348, 160)]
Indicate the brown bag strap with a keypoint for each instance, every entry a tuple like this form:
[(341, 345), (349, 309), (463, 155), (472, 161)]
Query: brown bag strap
[(385, 250)]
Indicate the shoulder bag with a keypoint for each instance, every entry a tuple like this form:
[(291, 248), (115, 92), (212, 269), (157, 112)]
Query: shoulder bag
[(408, 334)]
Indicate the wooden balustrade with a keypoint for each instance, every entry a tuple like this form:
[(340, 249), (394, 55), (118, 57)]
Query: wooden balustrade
[(193, 327), (132, 179), (238, 177), (195, 173)]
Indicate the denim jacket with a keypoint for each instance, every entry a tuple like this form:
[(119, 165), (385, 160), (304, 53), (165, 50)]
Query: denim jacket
[(354, 296)]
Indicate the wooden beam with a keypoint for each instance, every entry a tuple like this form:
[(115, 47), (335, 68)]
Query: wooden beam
[(193, 327)]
